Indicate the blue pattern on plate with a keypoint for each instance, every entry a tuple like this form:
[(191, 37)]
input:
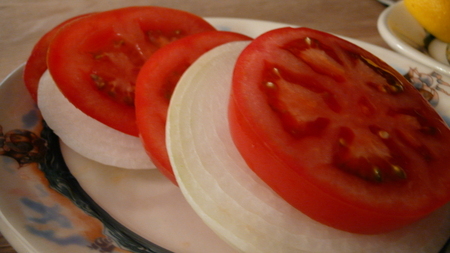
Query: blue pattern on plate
[(31, 119), (47, 213), (53, 237)]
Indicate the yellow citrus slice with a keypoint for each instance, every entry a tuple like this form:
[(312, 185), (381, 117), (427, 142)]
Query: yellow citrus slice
[(433, 15)]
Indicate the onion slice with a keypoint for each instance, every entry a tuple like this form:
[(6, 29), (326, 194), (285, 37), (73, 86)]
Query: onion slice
[(86, 135), (233, 201)]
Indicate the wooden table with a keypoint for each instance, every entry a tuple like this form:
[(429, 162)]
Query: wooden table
[(23, 22)]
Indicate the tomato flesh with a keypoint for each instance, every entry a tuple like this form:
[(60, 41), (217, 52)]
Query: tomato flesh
[(156, 82), (36, 63), (337, 132), (95, 61)]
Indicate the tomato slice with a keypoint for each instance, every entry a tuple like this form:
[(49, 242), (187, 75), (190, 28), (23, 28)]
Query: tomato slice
[(338, 133), (156, 82), (95, 61), (36, 64)]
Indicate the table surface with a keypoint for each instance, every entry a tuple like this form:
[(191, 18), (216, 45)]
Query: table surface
[(25, 21)]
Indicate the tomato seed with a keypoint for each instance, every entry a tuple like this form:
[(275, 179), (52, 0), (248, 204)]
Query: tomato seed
[(377, 174), (399, 171), (366, 106), (308, 41), (429, 130), (270, 85), (395, 88), (342, 142), (98, 56), (119, 43), (276, 71), (129, 96), (394, 85), (99, 81), (383, 134)]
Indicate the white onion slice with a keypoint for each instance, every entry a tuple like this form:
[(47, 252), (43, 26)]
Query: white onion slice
[(233, 201), (86, 135)]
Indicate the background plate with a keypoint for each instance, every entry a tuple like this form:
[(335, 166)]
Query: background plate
[(405, 35)]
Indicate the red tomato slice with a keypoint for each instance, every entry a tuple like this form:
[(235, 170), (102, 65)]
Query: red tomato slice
[(36, 64), (95, 61), (156, 82), (338, 133)]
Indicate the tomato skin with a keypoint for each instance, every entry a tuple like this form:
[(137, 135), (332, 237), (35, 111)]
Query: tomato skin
[(95, 62), (156, 82), (36, 63), (318, 204), (321, 169)]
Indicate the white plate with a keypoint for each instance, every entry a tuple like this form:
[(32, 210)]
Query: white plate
[(388, 2), (136, 206), (405, 35)]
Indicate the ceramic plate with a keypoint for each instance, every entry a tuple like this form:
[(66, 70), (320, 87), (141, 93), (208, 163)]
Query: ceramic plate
[(405, 35), (388, 2), (49, 208)]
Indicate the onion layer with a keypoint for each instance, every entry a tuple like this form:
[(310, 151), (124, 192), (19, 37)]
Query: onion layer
[(86, 135), (233, 201)]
